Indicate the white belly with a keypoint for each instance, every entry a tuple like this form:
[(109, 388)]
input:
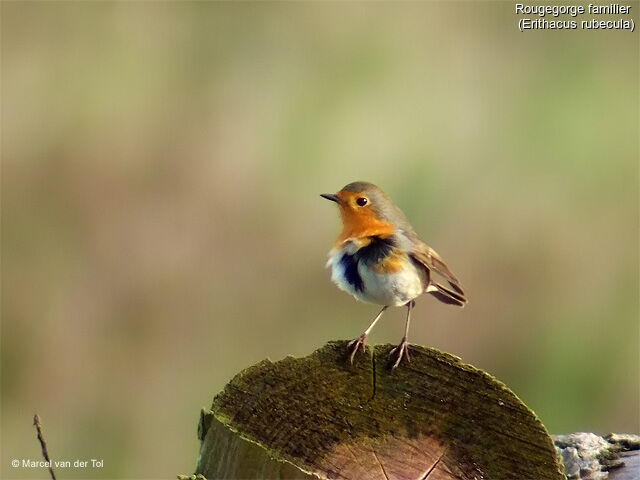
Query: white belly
[(392, 289)]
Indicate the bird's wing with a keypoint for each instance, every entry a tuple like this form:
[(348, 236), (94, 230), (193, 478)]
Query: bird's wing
[(428, 257)]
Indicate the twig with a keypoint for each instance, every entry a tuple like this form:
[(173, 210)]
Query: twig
[(43, 444)]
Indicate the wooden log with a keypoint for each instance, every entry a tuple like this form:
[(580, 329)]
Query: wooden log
[(321, 417)]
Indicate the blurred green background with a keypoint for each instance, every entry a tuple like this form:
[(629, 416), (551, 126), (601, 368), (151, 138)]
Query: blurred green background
[(162, 229)]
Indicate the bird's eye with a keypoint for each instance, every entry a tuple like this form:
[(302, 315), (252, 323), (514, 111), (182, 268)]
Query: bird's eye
[(361, 201)]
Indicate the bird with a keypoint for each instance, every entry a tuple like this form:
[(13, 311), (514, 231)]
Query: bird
[(378, 258)]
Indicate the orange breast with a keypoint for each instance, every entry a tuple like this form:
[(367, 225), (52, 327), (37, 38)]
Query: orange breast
[(359, 225)]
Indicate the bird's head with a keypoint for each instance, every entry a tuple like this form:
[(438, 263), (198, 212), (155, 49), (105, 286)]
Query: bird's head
[(366, 210)]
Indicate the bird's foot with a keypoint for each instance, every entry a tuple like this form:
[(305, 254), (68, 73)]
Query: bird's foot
[(355, 345), (401, 351)]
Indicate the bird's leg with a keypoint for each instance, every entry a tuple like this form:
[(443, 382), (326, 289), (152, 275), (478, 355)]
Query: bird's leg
[(403, 349), (354, 345)]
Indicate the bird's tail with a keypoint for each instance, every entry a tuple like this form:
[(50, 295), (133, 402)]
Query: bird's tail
[(446, 295)]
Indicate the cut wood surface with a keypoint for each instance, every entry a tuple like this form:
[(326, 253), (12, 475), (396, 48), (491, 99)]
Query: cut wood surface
[(321, 417)]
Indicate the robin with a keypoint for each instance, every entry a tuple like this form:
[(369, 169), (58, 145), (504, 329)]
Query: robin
[(378, 258)]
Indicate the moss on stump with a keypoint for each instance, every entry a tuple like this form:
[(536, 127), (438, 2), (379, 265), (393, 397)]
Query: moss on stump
[(321, 417)]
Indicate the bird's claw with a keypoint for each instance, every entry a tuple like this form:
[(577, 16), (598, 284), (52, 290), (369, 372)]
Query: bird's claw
[(355, 345), (402, 352)]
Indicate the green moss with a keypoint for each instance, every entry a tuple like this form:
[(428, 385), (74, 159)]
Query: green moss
[(302, 410)]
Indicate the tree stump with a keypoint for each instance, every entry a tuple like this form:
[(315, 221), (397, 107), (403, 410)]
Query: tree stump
[(321, 417)]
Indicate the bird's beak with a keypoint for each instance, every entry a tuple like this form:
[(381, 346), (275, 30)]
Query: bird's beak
[(330, 196)]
